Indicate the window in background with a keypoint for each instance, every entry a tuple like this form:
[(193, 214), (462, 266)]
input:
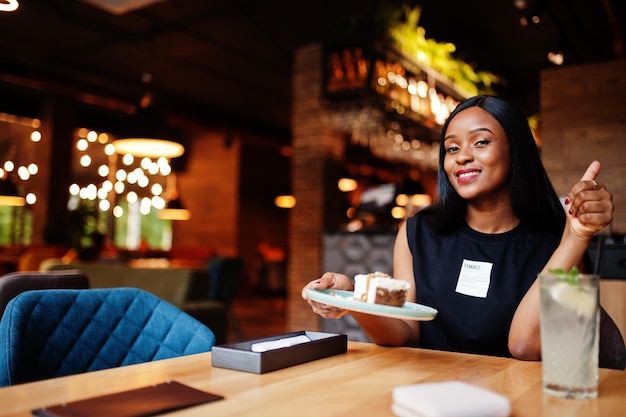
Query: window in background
[(128, 191), (15, 226), (134, 230), (19, 163)]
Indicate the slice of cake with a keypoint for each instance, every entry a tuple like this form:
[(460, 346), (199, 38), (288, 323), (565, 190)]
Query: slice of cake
[(380, 288), (362, 284)]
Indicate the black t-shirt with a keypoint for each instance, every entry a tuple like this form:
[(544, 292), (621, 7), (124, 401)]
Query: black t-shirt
[(475, 281)]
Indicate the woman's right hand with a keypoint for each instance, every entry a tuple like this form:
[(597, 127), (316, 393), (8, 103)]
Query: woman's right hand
[(328, 280)]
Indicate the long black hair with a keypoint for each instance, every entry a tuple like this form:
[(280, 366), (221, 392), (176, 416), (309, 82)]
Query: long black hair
[(533, 198)]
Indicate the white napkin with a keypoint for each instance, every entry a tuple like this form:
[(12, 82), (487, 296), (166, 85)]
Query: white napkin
[(448, 399), (280, 343)]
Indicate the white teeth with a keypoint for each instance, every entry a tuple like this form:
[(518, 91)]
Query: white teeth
[(466, 174)]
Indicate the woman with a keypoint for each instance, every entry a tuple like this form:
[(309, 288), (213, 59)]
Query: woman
[(476, 253)]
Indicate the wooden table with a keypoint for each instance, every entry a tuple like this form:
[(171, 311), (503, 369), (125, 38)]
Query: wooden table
[(353, 384)]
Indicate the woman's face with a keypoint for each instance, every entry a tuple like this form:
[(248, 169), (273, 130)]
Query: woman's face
[(477, 156)]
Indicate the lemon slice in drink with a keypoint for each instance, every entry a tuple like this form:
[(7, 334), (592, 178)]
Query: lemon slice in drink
[(575, 298)]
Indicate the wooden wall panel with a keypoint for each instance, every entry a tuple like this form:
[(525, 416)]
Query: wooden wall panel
[(583, 117)]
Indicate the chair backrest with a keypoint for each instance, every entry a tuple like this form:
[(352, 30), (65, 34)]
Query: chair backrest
[(612, 348), (53, 333), (15, 283), (225, 275)]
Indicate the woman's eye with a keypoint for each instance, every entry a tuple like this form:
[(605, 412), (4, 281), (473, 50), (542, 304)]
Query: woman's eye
[(482, 142), (452, 149)]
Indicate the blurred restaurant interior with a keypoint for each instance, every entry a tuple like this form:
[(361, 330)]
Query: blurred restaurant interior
[(302, 132)]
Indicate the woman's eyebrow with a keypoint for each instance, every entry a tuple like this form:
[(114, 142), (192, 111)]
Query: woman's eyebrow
[(473, 131), (481, 129)]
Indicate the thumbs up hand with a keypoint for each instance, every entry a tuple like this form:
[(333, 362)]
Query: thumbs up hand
[(589, 205)]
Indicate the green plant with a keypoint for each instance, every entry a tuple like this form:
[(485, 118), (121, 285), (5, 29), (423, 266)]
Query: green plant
[(87, 230), (410, 39)]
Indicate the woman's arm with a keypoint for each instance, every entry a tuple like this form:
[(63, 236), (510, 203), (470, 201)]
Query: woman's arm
[(524, 335), (380, 330), (395, 332), (589, 209)]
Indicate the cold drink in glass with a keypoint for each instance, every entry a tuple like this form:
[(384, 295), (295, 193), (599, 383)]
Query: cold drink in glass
[(570, 323)]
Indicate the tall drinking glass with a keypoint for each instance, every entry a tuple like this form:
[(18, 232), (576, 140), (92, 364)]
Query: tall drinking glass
[(570, 332)]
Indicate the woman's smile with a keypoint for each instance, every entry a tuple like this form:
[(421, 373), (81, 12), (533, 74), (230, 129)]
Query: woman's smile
[(467, 175)]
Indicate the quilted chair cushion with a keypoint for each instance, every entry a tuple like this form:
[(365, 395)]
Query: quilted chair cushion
[(53, 333)]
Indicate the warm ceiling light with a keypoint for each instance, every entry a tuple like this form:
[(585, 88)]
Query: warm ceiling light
[(346, 184), (557, 58), (419, 200), (285, 201), (9, 196), (398, 212), (151, 147), (354, 225), (175, 210), (15, 201), (520, 4), (147, 134), (402, 200), (8, 5)]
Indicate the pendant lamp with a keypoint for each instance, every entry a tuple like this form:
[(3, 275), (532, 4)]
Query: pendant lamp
[(174, 210), (9, 5), (147, 134), (9, 195)]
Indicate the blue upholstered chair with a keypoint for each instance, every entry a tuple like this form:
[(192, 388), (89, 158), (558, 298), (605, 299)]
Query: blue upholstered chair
[(53, 333)]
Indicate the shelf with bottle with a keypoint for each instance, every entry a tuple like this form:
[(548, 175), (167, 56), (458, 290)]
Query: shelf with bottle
[(400, 87)]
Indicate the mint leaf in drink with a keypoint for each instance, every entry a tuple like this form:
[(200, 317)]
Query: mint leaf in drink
[(570, 276)]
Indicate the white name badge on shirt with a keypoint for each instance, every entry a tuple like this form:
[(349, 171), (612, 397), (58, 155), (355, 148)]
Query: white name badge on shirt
[(474, 278)]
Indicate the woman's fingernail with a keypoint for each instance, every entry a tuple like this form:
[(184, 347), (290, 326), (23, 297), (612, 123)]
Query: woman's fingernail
[(566, 200), (316, 283), (570, 211)]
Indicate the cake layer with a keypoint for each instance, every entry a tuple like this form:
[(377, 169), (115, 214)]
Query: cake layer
[(380, 288), (362, 282)]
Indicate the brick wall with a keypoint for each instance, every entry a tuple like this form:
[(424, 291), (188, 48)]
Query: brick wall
[(209, 187), (313, 145)]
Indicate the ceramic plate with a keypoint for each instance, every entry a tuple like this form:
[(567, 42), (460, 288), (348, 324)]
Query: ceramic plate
[(343, 299)]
